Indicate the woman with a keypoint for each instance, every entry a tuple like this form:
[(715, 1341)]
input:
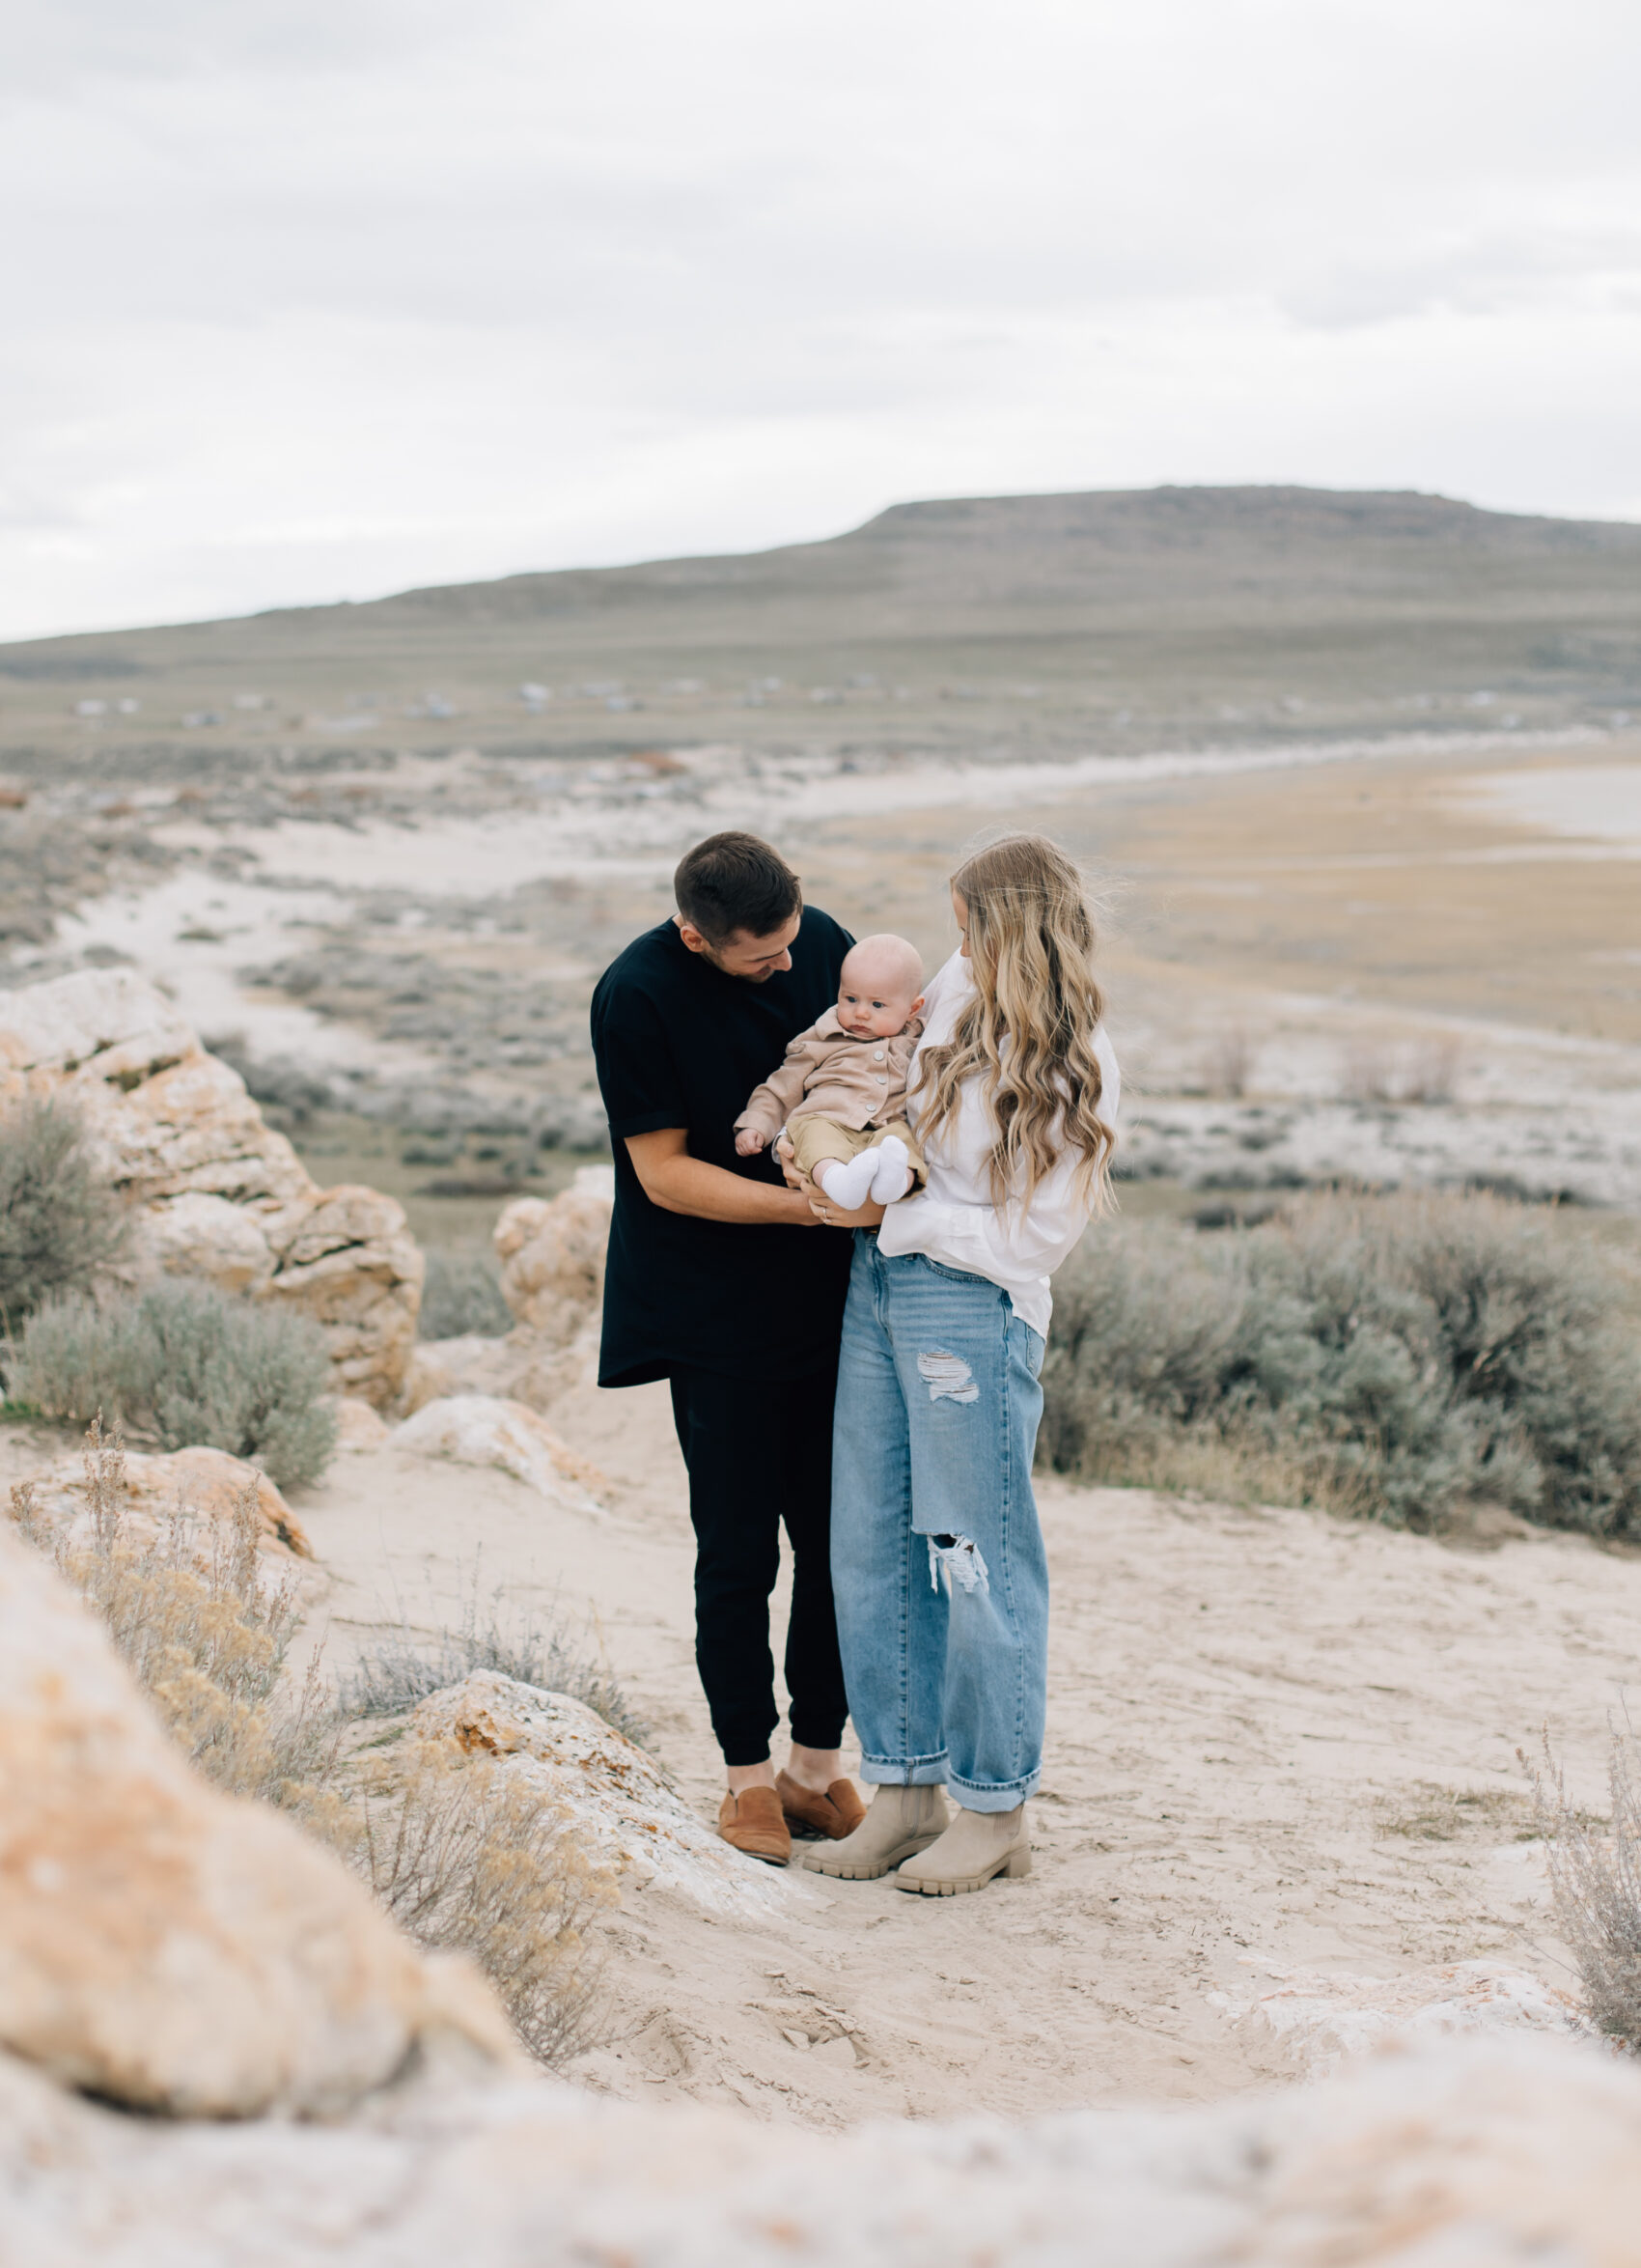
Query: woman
[(938, 1561)]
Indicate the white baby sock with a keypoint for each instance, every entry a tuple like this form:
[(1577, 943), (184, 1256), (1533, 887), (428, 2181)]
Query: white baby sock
[(847, 1186), (893, 1177)]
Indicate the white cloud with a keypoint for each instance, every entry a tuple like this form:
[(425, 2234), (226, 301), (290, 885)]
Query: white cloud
[(324, 299)]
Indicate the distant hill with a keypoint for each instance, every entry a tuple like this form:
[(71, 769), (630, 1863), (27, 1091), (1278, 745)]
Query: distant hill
[(1127, 549), (1155, 610)]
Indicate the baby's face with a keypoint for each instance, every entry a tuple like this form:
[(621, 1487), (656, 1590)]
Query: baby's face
[(870, 1010)]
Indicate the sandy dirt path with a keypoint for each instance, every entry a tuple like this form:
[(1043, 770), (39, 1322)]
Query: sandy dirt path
[(1261, 1725)]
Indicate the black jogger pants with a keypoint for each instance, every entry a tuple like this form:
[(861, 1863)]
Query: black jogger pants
[(760, 1452)]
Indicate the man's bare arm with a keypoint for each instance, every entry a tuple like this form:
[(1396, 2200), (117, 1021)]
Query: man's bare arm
[(679, 1183)]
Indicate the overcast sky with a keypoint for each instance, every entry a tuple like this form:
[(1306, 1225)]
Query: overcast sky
[(306, 299)]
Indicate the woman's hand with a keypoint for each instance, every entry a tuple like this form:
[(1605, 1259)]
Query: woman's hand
[(866, 1216), (829, 1215)]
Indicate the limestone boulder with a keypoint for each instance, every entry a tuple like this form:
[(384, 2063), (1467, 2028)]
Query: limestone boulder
[(163, 1946), (202, 1484), (472, 1365), (623, 1805), (220, 1195), (485, 1429), (357, 1425), (345, 1257), (520, 1367), (202, 1234), (552, 1255)]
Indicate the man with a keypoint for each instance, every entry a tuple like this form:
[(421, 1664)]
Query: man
[(719, 1283)]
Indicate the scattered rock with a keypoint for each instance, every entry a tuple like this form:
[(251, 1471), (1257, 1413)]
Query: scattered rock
[(1327, 2021), (471, 1364), (552, 1255), (163, 1946), (620, 1798), (485, 1429), (520, 1367), (357, 1425), (205, 1484), (222, 1195)]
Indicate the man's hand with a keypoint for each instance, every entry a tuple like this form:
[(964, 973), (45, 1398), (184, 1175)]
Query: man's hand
[(748, 1143), (828, 1214)]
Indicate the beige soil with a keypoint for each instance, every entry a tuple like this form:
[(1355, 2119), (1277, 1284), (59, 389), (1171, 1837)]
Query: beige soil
[(1260, 1721)]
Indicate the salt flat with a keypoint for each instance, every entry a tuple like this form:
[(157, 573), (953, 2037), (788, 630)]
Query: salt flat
[(1602, 800)]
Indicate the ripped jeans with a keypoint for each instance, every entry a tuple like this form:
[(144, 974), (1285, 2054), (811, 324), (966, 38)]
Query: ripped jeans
[(938, 1573)]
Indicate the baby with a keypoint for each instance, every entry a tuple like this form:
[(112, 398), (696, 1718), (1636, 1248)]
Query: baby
[(841, 1093)]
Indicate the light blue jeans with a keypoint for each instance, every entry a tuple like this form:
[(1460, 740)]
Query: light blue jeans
[(938, 1563)]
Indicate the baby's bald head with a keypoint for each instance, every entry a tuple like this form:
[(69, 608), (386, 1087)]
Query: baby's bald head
[(879, 987)]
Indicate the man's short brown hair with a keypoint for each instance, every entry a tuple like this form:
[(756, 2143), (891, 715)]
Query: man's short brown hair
[(735, 881)]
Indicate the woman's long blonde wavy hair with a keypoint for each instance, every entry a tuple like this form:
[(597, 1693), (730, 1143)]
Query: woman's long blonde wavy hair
[(1028, 1032)]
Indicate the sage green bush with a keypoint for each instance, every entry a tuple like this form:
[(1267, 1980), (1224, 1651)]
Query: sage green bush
[(462, 1292), (182, 1364), (1396, 1356), (61, 1226)]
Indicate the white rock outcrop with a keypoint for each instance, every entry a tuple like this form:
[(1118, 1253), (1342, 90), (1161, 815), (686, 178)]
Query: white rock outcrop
[(358, 1426), (486, 1429), (552, 1255), (166, 1946), (1515, 2155), (620, 1802), (221, 1194), (1329, 2020), (201, 1484)]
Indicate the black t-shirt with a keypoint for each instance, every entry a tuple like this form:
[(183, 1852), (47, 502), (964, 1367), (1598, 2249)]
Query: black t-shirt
[(678, 1043)]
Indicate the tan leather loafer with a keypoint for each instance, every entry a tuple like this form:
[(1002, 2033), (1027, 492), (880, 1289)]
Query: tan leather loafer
[(753, 1822), (834, 1814)]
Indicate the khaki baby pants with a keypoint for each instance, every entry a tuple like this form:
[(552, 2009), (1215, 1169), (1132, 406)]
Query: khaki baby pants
[(813, 1140)]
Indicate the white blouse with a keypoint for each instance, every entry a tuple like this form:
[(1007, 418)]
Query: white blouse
[(954, 1220)]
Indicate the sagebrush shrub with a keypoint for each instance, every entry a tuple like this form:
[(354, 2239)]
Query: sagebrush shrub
[(62, 1227), (186, 1364), (469, 1859), (462, 1292), (1394, 1355), (402, 1666), (1595, 1887)]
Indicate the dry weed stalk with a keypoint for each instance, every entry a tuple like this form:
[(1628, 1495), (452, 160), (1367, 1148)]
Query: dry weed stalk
[(1435, 1073), (1369, 1073), (1228, 1062), (469, 1859), (1595, 1883), (200, 1629)]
